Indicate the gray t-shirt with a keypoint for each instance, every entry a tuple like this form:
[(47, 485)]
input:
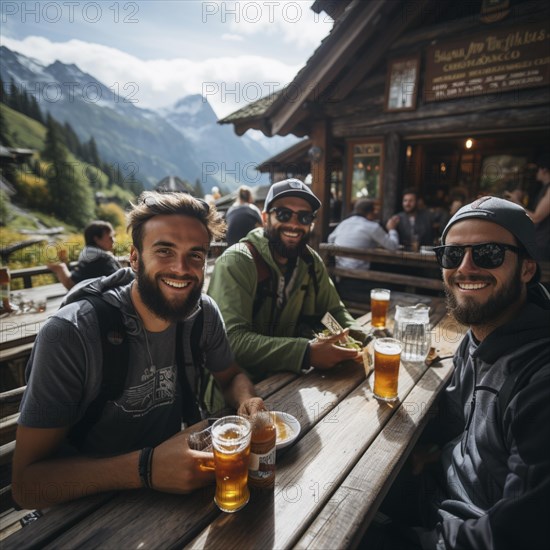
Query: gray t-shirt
[(64, 374)]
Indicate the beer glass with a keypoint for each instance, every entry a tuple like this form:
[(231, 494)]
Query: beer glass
[(387, 355), (231, 442), (379, 303)]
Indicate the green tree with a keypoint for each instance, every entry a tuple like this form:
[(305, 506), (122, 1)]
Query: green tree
[(34, 110), (71, 199), (14, 97), (199, 191), (5, 138), (5, 211), (93, 153)]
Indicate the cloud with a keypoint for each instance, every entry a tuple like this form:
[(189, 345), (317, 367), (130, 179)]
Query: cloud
[(227, 82), (232, 37), (292, 22)]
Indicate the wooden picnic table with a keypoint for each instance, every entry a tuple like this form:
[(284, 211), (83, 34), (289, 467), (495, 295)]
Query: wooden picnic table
[(329, 483), (18, 332), (21, 328)]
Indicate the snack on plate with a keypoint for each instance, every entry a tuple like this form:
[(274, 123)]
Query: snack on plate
[(349, 342)]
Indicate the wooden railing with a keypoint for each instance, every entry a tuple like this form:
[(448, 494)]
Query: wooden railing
[(427, 275)]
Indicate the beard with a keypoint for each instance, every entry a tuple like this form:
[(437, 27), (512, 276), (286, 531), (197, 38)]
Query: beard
[(277, 246), (153, 298), (474, 313)]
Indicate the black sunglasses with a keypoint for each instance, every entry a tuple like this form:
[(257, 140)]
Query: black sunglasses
[(484, 255), (284, 215)]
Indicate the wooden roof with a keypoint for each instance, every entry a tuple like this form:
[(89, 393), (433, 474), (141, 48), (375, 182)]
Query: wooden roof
[(340, 62), (293, 154)]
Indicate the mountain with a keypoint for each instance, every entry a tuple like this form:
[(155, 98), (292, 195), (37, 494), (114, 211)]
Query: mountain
[(184, 140), (219, 150)]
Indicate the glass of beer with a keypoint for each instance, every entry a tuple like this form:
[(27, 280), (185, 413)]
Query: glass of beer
[(379, 303), (231, 442), (387, 355)]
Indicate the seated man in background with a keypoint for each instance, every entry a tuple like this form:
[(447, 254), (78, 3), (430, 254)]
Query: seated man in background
[(86, 428), (274, 289), (415, 226), (242, 217), (96, 258), (489, 485), (361, 230)]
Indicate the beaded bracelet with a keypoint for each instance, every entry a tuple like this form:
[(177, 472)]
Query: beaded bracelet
[(144, 466)]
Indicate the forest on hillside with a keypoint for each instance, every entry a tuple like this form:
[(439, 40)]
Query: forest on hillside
[(63, 177)]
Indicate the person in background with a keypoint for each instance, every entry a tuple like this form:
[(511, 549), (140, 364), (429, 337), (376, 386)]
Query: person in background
[(242, 217), (361, 230), (481, 477), (273, 291), (541, 210), (96, 258), (135, 439), (415, 227)]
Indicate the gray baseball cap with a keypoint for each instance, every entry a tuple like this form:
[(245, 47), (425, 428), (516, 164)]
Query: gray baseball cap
[(507, 214), (291, 188)]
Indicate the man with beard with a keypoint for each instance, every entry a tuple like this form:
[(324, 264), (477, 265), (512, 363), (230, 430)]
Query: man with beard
[(136, 439), (415, 225), (489, 485), (270, 319)]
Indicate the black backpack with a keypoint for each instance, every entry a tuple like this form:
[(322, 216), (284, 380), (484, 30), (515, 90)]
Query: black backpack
[(115, 348)]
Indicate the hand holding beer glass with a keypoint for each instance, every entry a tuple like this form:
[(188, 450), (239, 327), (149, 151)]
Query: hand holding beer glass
[(387, 356), (379, 304), (231, 442)]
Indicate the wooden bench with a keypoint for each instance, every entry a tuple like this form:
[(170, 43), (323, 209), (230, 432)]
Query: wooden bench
[(11, 518), (416, 272)]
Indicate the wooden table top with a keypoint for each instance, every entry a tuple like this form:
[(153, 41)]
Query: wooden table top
[(329, 483), (21, 328)]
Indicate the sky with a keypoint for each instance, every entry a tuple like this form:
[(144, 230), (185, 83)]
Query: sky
[(231, 52)]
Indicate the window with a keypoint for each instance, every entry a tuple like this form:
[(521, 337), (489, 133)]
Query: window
[(366, 171), (402, 84), (501, 173)]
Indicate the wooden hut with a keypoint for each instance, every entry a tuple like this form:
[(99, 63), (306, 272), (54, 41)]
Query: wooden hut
[(446, 97)]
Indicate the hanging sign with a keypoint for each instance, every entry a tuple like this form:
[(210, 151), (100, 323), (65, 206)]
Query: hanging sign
[(495, 61)]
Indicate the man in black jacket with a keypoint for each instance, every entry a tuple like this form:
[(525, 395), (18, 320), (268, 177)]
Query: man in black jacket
[(486, 484)]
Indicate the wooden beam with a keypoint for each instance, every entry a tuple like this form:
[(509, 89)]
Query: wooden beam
[(489, 122), (320, 171), (371, 56), (327, 61), (391, 187)]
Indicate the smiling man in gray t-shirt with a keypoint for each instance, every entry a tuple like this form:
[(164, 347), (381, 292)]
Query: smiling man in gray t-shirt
[(137, 439)]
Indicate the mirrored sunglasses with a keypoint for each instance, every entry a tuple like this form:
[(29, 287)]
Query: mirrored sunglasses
[(484, 255), (284, 215)]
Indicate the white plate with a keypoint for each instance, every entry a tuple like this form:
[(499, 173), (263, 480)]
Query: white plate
[(288, 429)]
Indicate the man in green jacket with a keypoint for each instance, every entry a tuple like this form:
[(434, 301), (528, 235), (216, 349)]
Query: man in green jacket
[(274, 290)]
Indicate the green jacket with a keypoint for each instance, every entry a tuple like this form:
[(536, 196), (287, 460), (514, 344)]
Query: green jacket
[(274, 339)]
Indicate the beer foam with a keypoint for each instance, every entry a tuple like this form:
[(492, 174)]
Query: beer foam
[(387, 348), (381, 296), (228, 431)]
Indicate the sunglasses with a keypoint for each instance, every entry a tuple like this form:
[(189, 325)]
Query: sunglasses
[(284, 215), (484, 255)]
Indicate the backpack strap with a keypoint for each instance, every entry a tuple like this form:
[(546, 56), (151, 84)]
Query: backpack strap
[(115, 354), (193, 406), (307, 256), (265, 285)]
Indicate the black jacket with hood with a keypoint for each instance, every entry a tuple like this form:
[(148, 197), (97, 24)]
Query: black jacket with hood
[(497, 469)]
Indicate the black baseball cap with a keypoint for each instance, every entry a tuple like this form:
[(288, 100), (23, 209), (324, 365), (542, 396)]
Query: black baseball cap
[(291, 188), (507, 214)]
